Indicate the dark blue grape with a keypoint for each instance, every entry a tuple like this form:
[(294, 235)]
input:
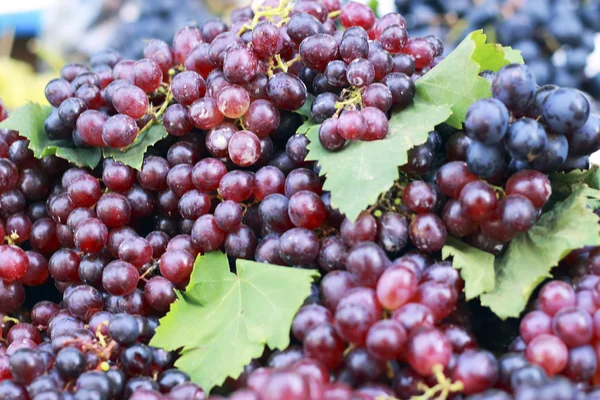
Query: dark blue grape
[(554, 154), (586, 139), (514, 86), (526, 139), (487, 121), (486, 160), (565, 110)]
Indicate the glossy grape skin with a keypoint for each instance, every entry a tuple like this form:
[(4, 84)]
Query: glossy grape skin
[(549, 352), (532, 184), (396, 286), (587, 138), (12, 296), (515, 86), (206, 235), (367, 261), (286, 91), (302, 26), (486, 121), (244, 148), (427, 232), (554, 155), (518, 213), (298, 246), (420, 50), (402, 88), (478, 200), (427, 348), (13, 263), (478, 370), (356, 14), (525, 139), (319, 50), (456, 221), (119, 131), (131, 100), (565, 110), (90, 126), (176, 120)]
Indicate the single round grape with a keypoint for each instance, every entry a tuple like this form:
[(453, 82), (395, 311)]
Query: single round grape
[(228, 216), (236, 185), (306, 210), (323, 107), (554, 155), (351, 125), (402, 88), (477, 370), (244, 148), (176, 120), (486, 160), (329, 135), (57, 91), (206, 234), (419, 197), (532, 184), (586, 139), (185, 40), (207, 174), (217, 139), (427, 232), (131, 101), (266, 39), (299, 246), (118, 131), (565, 110), (426, 349), (233, 101), (357, 14), (360, 72), (91, 235), (549, 352), (13, 263), (187, 87), (302, 26), (420, 50), (286, 91), (478, 200), (377, 95), (518, 213), (159, 52), (176, 265), (318, 50), (456, 221), (70, 110), (525, 139), (393, 38), (335, 75), (486, 121), (153, 175), (240, 64), (262, 118), (515, 86), (364, 229), (84, 192)]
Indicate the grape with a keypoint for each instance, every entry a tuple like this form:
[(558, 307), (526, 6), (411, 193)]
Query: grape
[(427, 232), (554, 155), (456, 221), (518, 213), (306, 210), (377, 95), (360, 72), (402, 88), (70, 110), (487, 121), (91, 235), (176, 120), (586, 139), (286, 91), (244, 148), (302, 26), (262, 118), (525, 139), (426, 349), (131, 101), (233, 101), (393, 38), (515, 86), (57, 91), (187, 87), (318, 51), (352, 125), (298, 246), (356, 14), (236, 185), (565, 110), (477, 370), (118, 131), (206, 235), (266, 39), (296, 148), (419, 197), (13, 263), (549, 352), (240, 64), (478, 200), (329, 135)]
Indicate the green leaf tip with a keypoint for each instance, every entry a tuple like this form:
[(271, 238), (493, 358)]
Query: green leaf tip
[(222, 321), (476, 266)]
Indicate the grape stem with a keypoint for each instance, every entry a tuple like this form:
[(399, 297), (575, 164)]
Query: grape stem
[(444, 386), (284, 66), (11, 319), (352, 100), (334, 14), (282, 10)]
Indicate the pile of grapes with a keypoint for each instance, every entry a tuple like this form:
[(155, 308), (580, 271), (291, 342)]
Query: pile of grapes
[(387, 319)]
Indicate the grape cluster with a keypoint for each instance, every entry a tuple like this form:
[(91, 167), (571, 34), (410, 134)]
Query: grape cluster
[(544, 128), (556, 38)]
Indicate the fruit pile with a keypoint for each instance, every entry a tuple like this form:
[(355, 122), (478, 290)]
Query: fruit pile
[(213, 118)]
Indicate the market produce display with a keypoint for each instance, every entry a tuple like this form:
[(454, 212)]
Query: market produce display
[(556, 38), (309, 203)]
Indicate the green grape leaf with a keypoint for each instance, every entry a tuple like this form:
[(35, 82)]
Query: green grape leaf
[(134, 155), (456, 82), (565, 183), (307, 126), (222, 321), (476, 266), (358, 173), (530, 256), (513, 55), (29, 119)]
